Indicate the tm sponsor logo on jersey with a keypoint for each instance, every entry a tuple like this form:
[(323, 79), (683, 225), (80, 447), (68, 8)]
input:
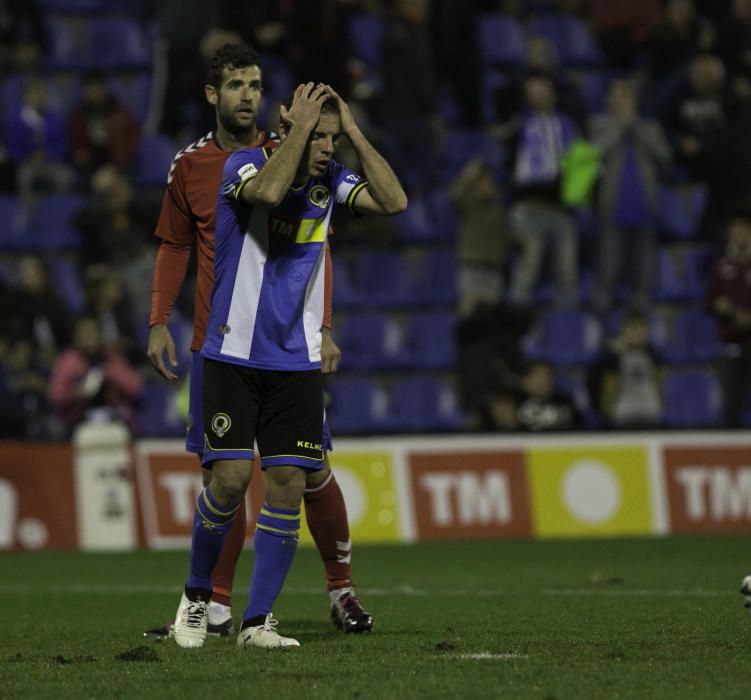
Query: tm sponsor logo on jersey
[(285, 228)]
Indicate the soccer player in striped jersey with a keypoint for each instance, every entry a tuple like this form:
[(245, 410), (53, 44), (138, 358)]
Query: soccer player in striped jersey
[(188, 215), (262, 354)]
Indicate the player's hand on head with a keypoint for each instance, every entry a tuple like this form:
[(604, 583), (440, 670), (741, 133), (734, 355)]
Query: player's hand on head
[(306, 105), (161, 342), (345, 114)]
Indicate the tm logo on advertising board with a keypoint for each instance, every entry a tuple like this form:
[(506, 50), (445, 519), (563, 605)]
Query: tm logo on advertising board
[(709, 488), (590, 491)]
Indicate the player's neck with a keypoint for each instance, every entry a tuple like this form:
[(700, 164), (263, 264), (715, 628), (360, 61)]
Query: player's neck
[(228, 141)]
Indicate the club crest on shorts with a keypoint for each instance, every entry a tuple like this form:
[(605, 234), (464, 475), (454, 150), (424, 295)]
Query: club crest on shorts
[(220, 424), (320, 196)]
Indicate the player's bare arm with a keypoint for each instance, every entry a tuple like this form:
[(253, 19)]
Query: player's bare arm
[(330, 352), (384, 193), (270, 186)]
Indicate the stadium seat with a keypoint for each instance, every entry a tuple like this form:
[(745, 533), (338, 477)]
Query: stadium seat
[(570, 37), (565, 337), (492, 80), (134, 90), (436, 278), (693, 398), (51, 226), (386, 278), (365, 33), (345, 296), (502, 40), (430, 339), (372, 341), (74, 5), (15, 220), (72, 43), (680, 211), (415, 224), (593, 86), (153, 160), (159, 415), (120, 44), (681, 274), (692, 337), (442, 215), (358, 405), (423, 404), (67, 281), (467, 144)]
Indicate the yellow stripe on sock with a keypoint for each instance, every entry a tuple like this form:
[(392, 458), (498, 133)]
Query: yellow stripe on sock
[(281, 516), (216, 511), (294, 533)]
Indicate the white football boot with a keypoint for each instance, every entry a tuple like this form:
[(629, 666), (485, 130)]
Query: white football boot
[(265, 636), (191, 623), (746, 591)]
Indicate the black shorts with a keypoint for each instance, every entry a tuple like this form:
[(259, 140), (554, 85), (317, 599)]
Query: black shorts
[(281, 411)]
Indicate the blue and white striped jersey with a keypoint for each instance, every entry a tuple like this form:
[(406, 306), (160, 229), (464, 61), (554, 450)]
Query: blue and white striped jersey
[(267, 302)]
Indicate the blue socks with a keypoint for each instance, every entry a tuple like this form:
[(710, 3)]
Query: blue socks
[(210, 525), (277, 533)]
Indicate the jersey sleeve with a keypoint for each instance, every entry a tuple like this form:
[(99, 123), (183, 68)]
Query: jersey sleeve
[(240, 168), (346, 184), (176, 223)]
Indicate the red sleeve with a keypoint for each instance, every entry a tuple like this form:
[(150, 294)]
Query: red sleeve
[(177, 231), (328, 288)]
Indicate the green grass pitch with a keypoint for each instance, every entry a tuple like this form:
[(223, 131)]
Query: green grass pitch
[(653, 618)]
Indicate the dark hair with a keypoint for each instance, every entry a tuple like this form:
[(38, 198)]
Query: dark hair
[(230, 56), (329, 104)]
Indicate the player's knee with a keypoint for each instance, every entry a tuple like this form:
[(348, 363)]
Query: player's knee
[(230, 480), (315, 479), (285, 486)]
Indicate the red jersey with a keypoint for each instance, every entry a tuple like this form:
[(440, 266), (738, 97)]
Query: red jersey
[(189, 213)]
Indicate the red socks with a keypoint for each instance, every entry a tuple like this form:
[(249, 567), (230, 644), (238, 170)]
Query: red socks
[(326, 516), (224, 571)]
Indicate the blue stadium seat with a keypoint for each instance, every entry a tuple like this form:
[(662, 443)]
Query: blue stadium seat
[(415, 224), (160, 416), (492, 80), (133, 89), (693, 398), (121, 44), (72, 44), (570, 37), (423, 404), (442, 215), (51, 226), (74, 5), (565, 337), (358, 405), (467, 144), (693, 338), (436, 277), (372, 341), (153, 160), (681, 274), (386, 278), (680, 211), (15, 221), (346, 295), (67, 281), (430, 338), (593, 86), (365, 34), (502, 40)]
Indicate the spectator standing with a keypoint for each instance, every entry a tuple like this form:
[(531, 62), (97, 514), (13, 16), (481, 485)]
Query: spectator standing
[(538, 218), (633, 151), (91, 381), (477, 199), (729, 299), (101, 130), (36, 140), (692, 112), (625, 381)]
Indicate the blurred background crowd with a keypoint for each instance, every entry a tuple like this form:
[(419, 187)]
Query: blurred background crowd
[(577, 250)]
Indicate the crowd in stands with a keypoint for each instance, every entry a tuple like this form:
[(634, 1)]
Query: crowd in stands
[(577, 250)]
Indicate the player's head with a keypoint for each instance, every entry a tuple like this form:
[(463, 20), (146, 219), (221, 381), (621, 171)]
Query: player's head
[(234, 86), (321, 142)]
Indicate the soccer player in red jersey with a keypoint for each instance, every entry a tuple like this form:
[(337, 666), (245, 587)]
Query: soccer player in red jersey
[(235, 88)]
